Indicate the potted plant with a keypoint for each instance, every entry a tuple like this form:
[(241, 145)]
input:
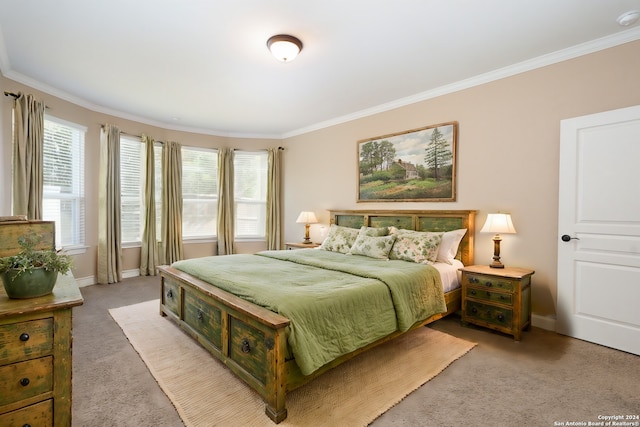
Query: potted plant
[(32, 273)]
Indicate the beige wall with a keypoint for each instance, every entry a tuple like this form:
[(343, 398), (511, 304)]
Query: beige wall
[(508, 149), (507, 156)]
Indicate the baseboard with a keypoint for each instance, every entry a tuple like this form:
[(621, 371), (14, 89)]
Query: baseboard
[(544, 322), (91, 280)]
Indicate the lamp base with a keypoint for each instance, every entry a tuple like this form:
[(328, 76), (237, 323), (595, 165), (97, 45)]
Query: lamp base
[(307, 241), (496, 264)]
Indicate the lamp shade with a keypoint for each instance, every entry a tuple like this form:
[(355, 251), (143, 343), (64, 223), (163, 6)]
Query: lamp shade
[(284, 47), (498, 223), (306, 218)]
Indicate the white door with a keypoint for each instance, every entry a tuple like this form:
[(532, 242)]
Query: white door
[(599, 229)]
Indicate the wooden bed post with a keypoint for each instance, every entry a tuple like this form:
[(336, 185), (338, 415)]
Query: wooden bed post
[(276, 386)]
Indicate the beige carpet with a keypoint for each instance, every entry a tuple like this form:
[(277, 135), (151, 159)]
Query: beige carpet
[(206, 393)]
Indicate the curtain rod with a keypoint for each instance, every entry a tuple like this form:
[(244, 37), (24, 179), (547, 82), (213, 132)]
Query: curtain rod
[(16, 96)]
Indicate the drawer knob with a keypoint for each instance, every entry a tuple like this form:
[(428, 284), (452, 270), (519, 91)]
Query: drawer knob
[(26, 425), (246, 347), (474, 310), (24, 337), (200, 315), (488, 294), (473, 291), (488, 284), (24, 382), (170, 294), (500, 317)]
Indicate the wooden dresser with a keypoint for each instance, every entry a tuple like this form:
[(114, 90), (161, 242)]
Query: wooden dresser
[(35, 354)]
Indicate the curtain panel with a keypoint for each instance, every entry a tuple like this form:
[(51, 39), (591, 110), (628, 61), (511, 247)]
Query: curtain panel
[(274, 200), (226, 232), (149, 249), (109, 227), (172, 202), (28, 147)]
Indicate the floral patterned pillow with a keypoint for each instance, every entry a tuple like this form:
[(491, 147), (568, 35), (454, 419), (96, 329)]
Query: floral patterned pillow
[(415, 246), (373, 247), (340, 239), (374, 231)]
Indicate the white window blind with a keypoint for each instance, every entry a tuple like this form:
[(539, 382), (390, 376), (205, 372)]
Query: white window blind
[(63, 181), (132, 166), (250, 193), (199, 192)]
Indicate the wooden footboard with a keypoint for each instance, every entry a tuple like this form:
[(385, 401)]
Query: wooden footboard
[(249, 339)]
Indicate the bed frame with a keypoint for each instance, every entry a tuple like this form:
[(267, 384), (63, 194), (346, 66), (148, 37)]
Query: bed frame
[(250, 339)]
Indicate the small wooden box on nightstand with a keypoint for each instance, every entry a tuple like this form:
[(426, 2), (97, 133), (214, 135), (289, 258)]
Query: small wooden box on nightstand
[(290, 245), (497, 298)]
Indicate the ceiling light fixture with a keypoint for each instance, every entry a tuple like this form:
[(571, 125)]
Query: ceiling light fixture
[(628, 18), (284, 47)]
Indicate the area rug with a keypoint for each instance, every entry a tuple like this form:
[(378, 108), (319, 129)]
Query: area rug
[(206, 393)]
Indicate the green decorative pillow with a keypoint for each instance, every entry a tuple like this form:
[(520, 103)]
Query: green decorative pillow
[(373, 231), (374, 247), (416, 246), (340, 239)]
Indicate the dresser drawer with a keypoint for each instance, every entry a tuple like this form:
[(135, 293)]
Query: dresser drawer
[(171, 295), (247, 348), (204, 317), (25, 340), (489, 295), (488, 313), (38, 415), (491, 282), (23, 380)]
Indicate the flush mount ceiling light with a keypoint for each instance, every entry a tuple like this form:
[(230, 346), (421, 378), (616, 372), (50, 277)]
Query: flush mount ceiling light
[(284, 47), (628, 18)]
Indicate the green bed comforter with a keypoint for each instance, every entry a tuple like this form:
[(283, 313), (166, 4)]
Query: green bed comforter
[(336, 303)]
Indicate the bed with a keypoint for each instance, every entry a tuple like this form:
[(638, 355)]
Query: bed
[(260, 344)]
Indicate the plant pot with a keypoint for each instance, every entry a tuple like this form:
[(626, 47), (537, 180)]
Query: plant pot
[(36, 283)]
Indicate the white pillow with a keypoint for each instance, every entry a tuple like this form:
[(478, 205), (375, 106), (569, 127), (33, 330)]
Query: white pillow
[(449, 245)]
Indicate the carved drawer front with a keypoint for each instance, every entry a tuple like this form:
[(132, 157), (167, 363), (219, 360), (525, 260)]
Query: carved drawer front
[(489, 295), (204, 317), (171, 295), (23, 380), (490, 282), (488, 313), (25, 340), (247, 348), (38, 415)]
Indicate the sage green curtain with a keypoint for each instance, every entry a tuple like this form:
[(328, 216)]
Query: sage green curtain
[(172, 202), (226, 233), (109, 239), (28, 147), (149, 249), (274, 200)]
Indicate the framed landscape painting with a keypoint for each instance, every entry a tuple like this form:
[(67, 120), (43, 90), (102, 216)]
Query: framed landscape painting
[(413, 166)]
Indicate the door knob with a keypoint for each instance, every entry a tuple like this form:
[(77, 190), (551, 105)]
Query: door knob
[(567, 238)]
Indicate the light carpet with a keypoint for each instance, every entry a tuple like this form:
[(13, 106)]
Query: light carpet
[(206, 393)]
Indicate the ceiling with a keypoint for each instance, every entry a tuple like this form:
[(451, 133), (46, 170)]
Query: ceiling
[(203, 66)]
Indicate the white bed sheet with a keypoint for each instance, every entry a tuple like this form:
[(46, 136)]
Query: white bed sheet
[(450, 274)]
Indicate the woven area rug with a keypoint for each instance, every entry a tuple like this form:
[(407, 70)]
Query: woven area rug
[(206, 393)]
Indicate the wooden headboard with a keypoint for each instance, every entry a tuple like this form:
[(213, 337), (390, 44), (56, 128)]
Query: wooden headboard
[(414, 220)]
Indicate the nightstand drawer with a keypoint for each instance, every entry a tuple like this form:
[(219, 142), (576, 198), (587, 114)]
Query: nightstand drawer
[(171, 295), (40, 414), (492, 282), (487, 295), (488, 313)]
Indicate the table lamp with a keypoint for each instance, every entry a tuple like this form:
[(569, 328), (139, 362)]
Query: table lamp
[(306, 218), (498, 223)]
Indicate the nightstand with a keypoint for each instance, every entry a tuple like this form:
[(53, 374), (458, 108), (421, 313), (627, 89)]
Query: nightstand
[(290, 246), (497, 298)]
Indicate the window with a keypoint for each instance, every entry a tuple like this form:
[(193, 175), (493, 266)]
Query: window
[(199, 192), (132, 181), (250, 188), (132, 167), (63, 181)]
